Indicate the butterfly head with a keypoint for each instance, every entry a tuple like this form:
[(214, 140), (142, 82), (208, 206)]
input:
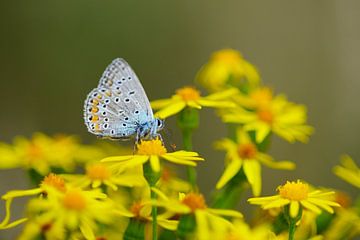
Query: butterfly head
[(160, 124)]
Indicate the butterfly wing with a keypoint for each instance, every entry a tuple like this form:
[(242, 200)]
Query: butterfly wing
[(119, 105)]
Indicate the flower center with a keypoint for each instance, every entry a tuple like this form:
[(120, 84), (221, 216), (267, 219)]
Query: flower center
[(34, 152), (194, 201), (294, 190), (262, 97), (98, 172), (227, 56), (135, 208), (265, 116), (188, 93), (74, 200), (247, 150), (152, 147), (54, 181)]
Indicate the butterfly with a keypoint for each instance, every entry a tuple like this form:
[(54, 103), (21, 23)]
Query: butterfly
[(119, 108)]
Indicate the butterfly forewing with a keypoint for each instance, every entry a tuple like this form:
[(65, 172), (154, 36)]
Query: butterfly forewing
[(119, 104)]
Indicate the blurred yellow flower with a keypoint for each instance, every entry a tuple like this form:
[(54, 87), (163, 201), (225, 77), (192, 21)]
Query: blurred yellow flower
[(190, 97), (72, 211), (297, 195), (42, 153), (98, 174), (170, 184), (208, 220), (244, 154), (286, 119), (153, 151), (348, 171), (242, 230), (227, 68)]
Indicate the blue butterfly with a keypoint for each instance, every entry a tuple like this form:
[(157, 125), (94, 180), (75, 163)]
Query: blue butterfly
[(119, 108)]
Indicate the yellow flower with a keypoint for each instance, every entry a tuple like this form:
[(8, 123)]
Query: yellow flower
[(345, 225), (227, 68), (42, 153), (98, 174), (51, 184), (73, 210), (170, 184), (190, 97), (348, 171), (244, 154), (286, 119), (208, 220), (153, 151), (297, 195), (241, 231)]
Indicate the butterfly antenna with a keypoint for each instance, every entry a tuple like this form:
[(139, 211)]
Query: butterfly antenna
[(168, 136)]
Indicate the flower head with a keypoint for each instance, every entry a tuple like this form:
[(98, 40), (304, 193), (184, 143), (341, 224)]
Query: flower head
[(208, 221), (297, 195), (227, 68), (190, 97), (152, 151), (284, 118), (98, 174), (42, 153), (243, 154)]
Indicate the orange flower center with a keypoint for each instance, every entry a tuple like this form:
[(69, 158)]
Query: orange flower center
[(98, 172), (262, 97), (135, 208), (296, 191), (227, 56), (343, 199), (34, 152), (194, 201), (265, 116), (166, 174), (55, 181), (247, 151), (151, 147), (74, 200), (188, 94)]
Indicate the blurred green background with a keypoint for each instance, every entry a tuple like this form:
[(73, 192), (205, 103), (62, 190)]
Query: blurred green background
[(52, 54)]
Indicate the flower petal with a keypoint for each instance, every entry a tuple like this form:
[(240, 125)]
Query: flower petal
[(252, 170), (230, 171), (171, 109), (294, 208)]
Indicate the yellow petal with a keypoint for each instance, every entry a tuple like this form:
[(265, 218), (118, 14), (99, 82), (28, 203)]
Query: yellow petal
[(310, 206), (277, 203), (168, 224), (157, 104), (225, 212), (252, 170), (216, 104), (178, 160), (171, 110), (269, 162), (155, 163), (202, 225), (230, 171), (193, 104), (294, 208)]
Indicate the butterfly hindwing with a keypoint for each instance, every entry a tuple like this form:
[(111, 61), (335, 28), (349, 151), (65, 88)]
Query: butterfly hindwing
[(119, 105)]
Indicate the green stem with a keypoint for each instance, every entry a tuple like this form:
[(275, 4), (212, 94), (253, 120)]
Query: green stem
[(292, 228), (152, 177), (154, 215), (187, 141)]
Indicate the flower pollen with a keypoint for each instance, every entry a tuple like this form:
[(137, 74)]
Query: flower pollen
[(54, 181), (247, 151), (98, 172), (188, 93), (135, 208), (194, 201), (265, 116), (151, 147), (295, 191), (74, 200)]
